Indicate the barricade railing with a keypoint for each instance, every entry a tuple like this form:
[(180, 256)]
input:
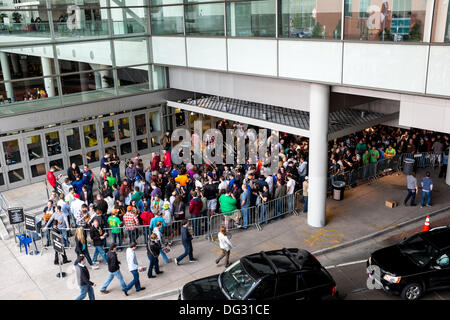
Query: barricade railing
[(423, 159)]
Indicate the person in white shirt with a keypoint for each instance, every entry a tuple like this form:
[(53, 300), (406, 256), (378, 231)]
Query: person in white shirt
[(75, 206), (223, 184), (226, 245), (66, 185), (269, 181), (134, 268), (290, 191)]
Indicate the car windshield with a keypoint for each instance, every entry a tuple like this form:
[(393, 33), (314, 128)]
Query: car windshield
[(236, 281), (418, 250)]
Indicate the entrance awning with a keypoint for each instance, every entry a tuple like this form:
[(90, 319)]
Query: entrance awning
[(341, 123)]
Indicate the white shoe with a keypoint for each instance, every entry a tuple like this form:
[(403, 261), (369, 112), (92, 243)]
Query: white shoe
[(95, 267), (176, 262)]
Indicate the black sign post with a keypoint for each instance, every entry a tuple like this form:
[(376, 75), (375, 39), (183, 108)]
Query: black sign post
[(30, 229), (15, 216), (58, 245)]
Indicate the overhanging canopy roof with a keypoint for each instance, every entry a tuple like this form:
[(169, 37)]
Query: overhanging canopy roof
[(341, 123)]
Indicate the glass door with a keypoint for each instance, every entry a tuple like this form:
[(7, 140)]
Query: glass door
[(126, 148), (54, 146), (141, 132), (72, 145), (91, 143), (15, 157), (109, 135), (35, 157)]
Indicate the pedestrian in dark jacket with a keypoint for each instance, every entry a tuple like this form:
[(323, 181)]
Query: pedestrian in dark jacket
[(81, 247), (195, 208), (153, 250), (130, 173), (83, 278), (186, 240), (114, 269), (97, 236)]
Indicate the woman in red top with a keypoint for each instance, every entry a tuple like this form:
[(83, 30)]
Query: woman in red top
[(146, 217)]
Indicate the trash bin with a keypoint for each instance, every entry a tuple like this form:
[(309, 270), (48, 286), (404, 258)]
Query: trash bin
[(338, 190), (408, 165)]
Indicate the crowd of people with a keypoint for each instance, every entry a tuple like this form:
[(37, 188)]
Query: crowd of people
[(155, 201)]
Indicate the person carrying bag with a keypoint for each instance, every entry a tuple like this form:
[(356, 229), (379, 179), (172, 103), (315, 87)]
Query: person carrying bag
[(226, 245)]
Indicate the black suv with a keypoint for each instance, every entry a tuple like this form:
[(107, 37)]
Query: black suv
[(415, 265), (279, 274)]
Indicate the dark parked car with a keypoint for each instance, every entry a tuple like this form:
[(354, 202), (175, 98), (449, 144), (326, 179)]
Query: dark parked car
[(415, 265), (279, 274)]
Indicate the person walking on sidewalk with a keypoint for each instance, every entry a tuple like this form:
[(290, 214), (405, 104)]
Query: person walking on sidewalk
[(226, 245), (427, 187), (83, 278), (159, 234), (411, 184), (186, 240), (81, 246), (153, 250), (114, 269), (134, 268)]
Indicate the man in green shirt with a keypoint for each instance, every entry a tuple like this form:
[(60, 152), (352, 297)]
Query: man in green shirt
[(111, 180), (374, 154), (365, 162), (390, 152), (137, 195), (228, 206), (361, 147), (115, 223)]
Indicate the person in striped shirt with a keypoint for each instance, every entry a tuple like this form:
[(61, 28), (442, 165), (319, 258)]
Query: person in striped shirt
[(131, 222)]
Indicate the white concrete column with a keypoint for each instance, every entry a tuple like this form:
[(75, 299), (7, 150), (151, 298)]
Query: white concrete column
[(47, 70), (318, 154), (447, 179), (105, 74), (6, 75), (98, 80)]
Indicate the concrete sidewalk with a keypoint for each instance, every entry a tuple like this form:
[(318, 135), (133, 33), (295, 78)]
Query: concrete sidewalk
[(362, 212)]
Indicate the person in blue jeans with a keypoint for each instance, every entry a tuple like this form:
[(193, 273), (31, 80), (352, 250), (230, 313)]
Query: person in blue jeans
[(114, 269), (411, 184), (134, 268), (264, 213), (83, 278), (153, 250), (427, 187), (98, 236), (245, 203), (186, 240)]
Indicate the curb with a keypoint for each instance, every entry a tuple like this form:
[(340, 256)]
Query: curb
[(160, 295), (378, 233)]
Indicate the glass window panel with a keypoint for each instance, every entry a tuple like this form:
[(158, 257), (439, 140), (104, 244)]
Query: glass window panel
[(25, 91), (125, 148), (133, 80), (124, 128), (58, 164), (180, 117), (205, 19), (318, 19), (141, 126), (164, 2), (16, 175), (38, 170), (155, 142), (2, 180), (90, 135), (138, 47), (73, 139), (53, 143), (12, 152), (34, 147), (159, 77), (78, 159), (251, 18), (23, 25), (25, 62), (395, 20), (129, 20), (142, 144), (111, 150), (92, 156), (155, 121), (109, 134), (167, 20)]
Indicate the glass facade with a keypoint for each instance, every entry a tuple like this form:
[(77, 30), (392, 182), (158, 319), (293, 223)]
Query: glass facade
[(61, 52)]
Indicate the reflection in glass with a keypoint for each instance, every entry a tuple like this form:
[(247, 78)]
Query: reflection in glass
[(92, 156), (12, 152), (53, 143), (155, 124), (179, 117), (38, 170), (167, 20), (58, 164), (141, 126), (142, 144), (125, 148), (155, 142), (2, 180), (16, 175), (319, 19), (78, 159), (205, 19), (109, 134), (131, 20), (251, 18), (90, 135), (124, 128), (73, 139), (399, 20), (34, 147)]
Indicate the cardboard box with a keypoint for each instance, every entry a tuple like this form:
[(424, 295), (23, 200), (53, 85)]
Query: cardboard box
[(391, 203)]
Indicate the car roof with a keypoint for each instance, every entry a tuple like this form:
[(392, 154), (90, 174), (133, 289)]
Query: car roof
[(439, 237), (273, 262)]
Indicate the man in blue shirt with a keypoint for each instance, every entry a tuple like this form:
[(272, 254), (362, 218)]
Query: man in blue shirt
[(427, 186), (88, 178), (105, 161), (245, 203)]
